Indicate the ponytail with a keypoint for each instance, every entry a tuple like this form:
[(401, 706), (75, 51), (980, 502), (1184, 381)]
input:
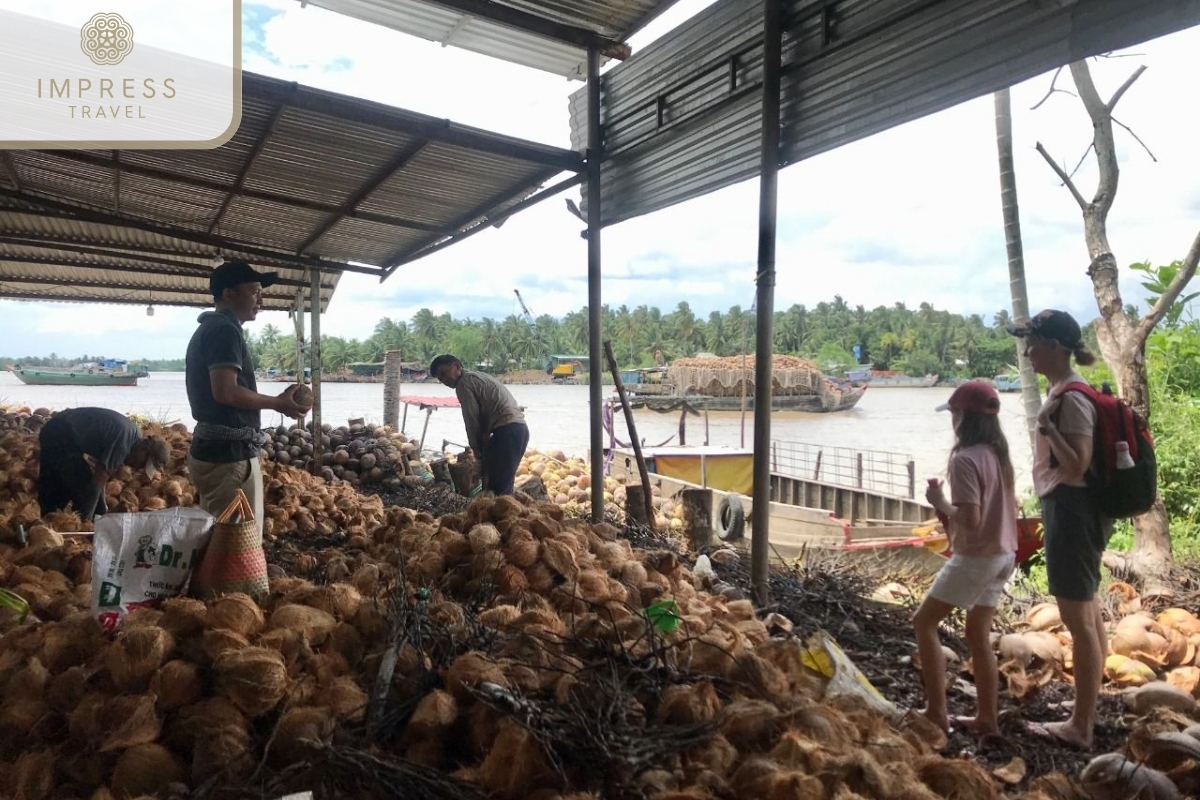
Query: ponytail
[(1083, 356)]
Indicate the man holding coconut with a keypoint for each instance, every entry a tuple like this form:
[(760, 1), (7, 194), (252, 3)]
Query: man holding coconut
[(495, 424), (224, 395)]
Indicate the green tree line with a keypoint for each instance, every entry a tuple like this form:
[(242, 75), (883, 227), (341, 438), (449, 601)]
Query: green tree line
[(913, 341)]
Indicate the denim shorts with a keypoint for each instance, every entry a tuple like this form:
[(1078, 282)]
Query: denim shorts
[(1075, 535)]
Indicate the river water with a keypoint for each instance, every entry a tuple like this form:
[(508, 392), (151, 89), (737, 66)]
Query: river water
[(899, 421)]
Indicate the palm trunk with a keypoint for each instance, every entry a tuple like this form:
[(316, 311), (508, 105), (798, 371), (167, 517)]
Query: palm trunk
[(1016, 256)]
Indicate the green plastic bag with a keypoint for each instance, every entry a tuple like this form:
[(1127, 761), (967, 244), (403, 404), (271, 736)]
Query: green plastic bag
[(664, 616)]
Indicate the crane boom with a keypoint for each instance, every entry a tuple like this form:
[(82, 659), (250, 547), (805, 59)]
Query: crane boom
[(525, 308), (537, 334)]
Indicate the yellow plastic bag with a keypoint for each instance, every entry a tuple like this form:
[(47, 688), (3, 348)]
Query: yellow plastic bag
[(824, 657)]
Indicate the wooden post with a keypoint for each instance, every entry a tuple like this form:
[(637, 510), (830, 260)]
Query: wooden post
[(638, 504), (858, 464), (633, 437), (817, 467), (697, 516), (392, 375), (912, 479)]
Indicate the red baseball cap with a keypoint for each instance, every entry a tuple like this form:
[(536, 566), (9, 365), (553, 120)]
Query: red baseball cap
[(978, 396)]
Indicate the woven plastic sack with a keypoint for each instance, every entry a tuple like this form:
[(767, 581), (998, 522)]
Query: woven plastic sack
[(825, 658), (234, 560), (140, 559)]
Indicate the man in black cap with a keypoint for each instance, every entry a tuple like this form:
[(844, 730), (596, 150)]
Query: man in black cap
[(224, 395), (81, 448)]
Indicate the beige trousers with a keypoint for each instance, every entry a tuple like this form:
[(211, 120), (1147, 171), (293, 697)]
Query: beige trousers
[(216, 485)]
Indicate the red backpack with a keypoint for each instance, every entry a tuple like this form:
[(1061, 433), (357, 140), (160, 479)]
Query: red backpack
[(1119, 493)]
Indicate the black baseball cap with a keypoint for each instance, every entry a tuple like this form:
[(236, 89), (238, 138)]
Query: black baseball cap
[(236, 272), (1051, 324)]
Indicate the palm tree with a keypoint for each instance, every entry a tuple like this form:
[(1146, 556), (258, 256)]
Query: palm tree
[(1016, 254)]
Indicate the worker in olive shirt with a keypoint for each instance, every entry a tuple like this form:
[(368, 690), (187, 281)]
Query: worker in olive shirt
[(110, 440), (496, 427), (224, 395)]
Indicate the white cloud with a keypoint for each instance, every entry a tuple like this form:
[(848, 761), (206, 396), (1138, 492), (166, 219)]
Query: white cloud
[(909, 215)]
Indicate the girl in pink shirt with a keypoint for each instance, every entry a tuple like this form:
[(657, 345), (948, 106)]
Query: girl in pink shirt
[(980, 519)]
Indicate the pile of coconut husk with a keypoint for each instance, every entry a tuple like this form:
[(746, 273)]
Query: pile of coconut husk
[(508, 650)]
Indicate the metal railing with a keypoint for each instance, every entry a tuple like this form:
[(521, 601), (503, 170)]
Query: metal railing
[(871, 470)]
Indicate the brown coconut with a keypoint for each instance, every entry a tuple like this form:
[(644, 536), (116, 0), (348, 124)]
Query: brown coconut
[(66, 689), (344, 698), (176, 684), (346, 641), (468, 671), (515, 762), (146, 769), (183, 616), (135, 655), (298, 731), (216, 642), (226, 751), (255, 679), (753, 724), (34, 775), (436, 711), (311, 623), (126, 721), (290, 644), (28, 682), (236, 612)]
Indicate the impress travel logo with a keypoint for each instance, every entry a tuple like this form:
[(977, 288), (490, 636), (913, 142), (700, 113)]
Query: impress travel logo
[(131, 74)]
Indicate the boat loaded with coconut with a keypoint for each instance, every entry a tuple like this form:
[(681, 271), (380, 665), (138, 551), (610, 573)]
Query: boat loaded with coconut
[(101, 372), (709, 383)]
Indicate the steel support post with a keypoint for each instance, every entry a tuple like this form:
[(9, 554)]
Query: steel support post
[(595, 355), (765, 300), (314, 359)]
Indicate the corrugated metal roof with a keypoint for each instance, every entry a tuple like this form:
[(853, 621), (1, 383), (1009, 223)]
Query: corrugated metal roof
[(683, 117), (455, 26), (311, 180)]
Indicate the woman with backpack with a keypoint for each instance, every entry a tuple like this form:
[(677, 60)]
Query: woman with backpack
[(980, 520), (1075, 531)]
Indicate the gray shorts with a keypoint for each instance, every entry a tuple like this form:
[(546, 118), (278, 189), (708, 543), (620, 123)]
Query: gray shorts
[(1075, 535), (968, 581)]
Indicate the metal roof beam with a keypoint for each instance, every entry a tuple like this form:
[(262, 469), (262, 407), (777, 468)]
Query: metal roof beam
[(54, 298), (400, 259), (420, 125), (219, 242), (546, 28), (10, 167), (83, 157), (397, 163), (251, 157), (124, 287), (30, 238), (130, 269)]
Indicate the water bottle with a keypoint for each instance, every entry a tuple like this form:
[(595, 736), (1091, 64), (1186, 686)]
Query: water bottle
[(1124, 460)]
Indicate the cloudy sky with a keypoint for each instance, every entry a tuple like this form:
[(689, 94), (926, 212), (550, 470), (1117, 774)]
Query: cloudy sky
[(909, 215)]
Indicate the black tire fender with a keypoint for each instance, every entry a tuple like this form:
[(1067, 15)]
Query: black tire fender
[(730, 520)]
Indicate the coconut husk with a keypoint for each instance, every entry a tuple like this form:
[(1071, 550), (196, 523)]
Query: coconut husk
[(34, 775), (84, 721), (126, 721), (146, 769), (468, 671), (515, 763), (135, 655), (176, 684), (437, 711), (754, 724), (298, 732), (482, 537), (325, 667), (28, 682), (344, 698), (311, 623), (235, 612), (217, 642), (203, 720), (291, 645), (73, 641), (501, 616), (255, 679), (225, 752), (66, 689), (346, 641), (956, 779)]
